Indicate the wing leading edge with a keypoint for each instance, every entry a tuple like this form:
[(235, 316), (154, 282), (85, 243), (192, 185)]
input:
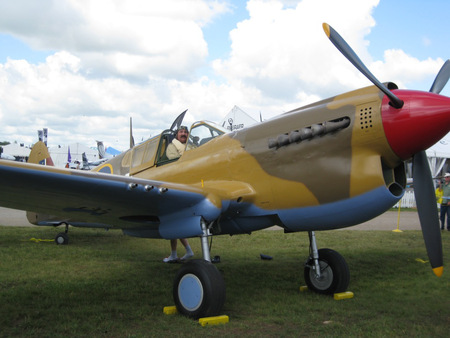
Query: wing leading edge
[(139, 207)]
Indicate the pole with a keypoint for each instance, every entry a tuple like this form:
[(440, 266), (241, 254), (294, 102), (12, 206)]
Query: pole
[(398, 217)]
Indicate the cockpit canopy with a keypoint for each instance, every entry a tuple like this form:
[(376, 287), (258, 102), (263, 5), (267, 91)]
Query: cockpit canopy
[(153, 151), (203, 132)]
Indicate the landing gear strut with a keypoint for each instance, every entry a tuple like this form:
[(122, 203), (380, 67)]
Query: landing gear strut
[(326, 271), (199, 288)]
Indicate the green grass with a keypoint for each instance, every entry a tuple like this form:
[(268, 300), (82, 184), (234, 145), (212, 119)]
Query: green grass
[(107, 284)]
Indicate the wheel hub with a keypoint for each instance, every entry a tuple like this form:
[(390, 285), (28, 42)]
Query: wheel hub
[(190, 292)]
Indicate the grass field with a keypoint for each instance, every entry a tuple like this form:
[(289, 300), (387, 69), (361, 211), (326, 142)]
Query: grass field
[(107, 284)]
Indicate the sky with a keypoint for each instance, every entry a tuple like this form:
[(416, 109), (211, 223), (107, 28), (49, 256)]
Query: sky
[(82, 68)]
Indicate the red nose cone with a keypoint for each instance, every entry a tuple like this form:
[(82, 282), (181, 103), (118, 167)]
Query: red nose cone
[(423, 120)]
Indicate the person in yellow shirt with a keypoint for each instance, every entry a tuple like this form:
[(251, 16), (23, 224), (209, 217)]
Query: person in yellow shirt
[(439, 193)]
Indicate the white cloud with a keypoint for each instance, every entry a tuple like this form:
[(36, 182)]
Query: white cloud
[(133, 38), (286, 49), (404, 69), (426, 41), (57, 95), (148, 60)]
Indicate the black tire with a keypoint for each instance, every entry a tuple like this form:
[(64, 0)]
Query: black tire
[(62, 238), (199, 289), (335, 275)]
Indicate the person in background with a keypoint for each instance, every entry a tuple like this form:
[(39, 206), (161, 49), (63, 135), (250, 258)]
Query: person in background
[(173, 255), (445, 207), (439, 192)]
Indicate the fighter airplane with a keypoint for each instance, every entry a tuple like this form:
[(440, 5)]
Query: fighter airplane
[(250, 179)]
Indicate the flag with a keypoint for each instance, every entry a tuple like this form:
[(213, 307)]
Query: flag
[(44, 135), (69, 158)]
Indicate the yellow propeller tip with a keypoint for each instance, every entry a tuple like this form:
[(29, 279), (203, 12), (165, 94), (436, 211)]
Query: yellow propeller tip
[(326, 28), (438, 271)]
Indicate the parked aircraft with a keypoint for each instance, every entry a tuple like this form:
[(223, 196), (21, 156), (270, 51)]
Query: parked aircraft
[(250, 179)]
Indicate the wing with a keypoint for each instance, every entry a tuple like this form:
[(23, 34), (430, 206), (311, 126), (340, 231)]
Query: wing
[(141, 207)]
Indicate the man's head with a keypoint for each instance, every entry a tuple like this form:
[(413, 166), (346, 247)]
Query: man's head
[(447, 177), (182, 134)]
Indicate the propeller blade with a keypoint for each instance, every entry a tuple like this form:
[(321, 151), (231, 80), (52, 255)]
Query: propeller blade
[(426, 207), (441, 78), (348, 52)]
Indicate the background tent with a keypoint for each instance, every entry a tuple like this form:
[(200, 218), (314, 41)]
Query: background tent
[(237, 119), (439, 157), (18, 151)]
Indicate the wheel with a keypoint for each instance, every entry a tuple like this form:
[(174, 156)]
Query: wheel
[(334, 273), (62, 238), (199, 289)]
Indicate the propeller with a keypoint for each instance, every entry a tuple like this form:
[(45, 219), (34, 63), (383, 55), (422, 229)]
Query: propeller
[(424, 190), (348, 52), (426, 208), (423, 182), (441, 78)]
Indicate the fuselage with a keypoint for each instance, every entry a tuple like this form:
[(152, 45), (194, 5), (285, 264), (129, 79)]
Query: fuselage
[(322, 166)]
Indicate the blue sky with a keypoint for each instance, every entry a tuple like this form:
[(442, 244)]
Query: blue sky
[(82, 68), (13, 48), (420, 28)]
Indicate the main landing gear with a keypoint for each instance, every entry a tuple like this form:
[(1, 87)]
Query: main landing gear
[(62, 238), (326, 271), (199, 288)]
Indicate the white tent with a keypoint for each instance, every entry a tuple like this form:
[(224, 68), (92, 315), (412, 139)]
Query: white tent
[(19, 151), (60, 154), (438, 155), (237, 119)]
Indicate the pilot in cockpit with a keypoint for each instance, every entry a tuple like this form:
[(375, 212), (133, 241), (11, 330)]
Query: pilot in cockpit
[(176, 148)]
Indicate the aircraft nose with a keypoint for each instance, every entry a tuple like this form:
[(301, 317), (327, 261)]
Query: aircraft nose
[(423, 120)]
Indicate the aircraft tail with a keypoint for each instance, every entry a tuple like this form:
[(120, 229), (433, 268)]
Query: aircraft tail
[(85, 161), (39, 154), (131, 134), (101, 149)]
